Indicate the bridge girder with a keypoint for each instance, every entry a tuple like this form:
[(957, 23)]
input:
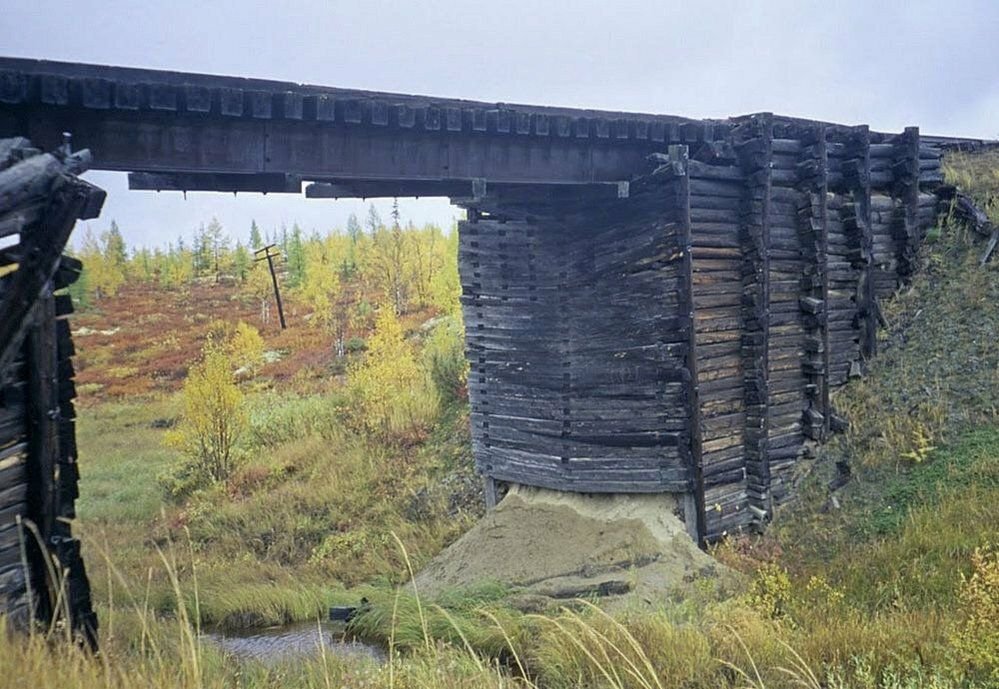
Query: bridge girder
[(170, 123)]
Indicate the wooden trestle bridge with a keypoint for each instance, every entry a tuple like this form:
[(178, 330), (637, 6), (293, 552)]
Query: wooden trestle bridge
[(652, 304)]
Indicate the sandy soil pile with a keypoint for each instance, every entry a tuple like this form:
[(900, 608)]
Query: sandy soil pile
[(567, 545)]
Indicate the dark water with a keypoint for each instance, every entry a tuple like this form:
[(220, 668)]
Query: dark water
[(294, 641)]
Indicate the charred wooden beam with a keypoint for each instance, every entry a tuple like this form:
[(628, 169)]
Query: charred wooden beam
[(906, 189), (265, 182), (857, 166), (678, 192), (193, 123), (38, 389), (474, 192), (41, 252), (814, 231), (754, 144)]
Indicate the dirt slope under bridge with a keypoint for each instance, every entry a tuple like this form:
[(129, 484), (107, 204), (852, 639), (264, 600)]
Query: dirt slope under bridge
[(569, 545)]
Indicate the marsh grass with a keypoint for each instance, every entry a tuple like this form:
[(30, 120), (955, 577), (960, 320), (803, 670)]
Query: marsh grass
[(309, 513), (476, 640)]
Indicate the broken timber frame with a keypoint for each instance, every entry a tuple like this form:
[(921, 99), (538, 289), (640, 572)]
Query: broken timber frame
[(40, 200)]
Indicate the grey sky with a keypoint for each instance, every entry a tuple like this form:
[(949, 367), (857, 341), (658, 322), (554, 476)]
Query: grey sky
[(888, 64)]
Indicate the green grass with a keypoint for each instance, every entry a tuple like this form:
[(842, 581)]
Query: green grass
[(970, 464), (121, 458), (310, 512)]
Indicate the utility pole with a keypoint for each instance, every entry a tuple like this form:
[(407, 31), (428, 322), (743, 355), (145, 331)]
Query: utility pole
[(269, 257)]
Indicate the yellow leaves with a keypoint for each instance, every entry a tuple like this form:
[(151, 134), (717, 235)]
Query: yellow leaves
[(921, 444), (976, 638), (246, 347), (321, 287), (445, 285), (103, 262), (214, 416), (391, 395), (412, 266), (444, 356), (770, 591)]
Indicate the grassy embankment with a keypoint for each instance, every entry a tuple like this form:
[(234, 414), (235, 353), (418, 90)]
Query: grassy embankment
[(877, 589)]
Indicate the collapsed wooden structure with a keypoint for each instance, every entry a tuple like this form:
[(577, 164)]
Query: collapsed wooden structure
[(685, 338), (40, 200)]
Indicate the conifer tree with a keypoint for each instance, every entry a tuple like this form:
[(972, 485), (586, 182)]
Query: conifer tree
[(374, 219), (255, 240), (295, 256), (353, 228), (114, 247), (240, 262)]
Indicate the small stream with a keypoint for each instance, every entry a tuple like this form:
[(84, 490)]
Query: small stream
[(277, 644)]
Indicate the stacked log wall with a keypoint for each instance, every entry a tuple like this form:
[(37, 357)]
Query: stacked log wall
[(796, 232), (42, 198), (843, 271), (577, 328), (813, 232), (716, 211), (788, 259), (39, 475)]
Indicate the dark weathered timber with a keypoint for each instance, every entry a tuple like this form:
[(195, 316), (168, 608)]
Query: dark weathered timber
[(755, 148), (813, 229), (678, 167), (857, 168), (557, 380), (177, 125), (638, 319), (906, 189), (38, 471), (778, 281), (201, 132)]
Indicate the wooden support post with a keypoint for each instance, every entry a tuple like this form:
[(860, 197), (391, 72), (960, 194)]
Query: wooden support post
[(906, 189), (813, 230), (43, 436), (858, 169), (472, 311), (269, 257), (491, 491), (822, 190), (694, 510), (44, 412), (754, 146), (41, 252)]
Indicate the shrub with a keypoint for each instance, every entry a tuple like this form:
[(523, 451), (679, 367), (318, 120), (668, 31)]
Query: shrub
[(274, 420), (246, 347), (770, 592), (444, 357), (391, 396), (214, 416), (976, 638), (356, 344)]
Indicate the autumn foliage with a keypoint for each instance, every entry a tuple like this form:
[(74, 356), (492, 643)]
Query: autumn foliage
[(391, 395), (214, 416)]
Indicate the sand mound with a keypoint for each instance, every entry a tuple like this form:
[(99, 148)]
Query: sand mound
[(567, 545)]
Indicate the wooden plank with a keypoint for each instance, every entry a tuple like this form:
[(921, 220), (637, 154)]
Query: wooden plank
[(757, 284), (44, 444), (679, 156)]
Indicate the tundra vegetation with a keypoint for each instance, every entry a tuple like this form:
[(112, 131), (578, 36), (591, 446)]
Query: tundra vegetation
[(237, 475)]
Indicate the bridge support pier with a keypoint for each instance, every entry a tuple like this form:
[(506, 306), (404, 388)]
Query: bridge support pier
[(683, 339)]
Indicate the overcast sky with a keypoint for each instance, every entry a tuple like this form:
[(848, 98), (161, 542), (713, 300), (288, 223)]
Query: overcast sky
[(888, 64)]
